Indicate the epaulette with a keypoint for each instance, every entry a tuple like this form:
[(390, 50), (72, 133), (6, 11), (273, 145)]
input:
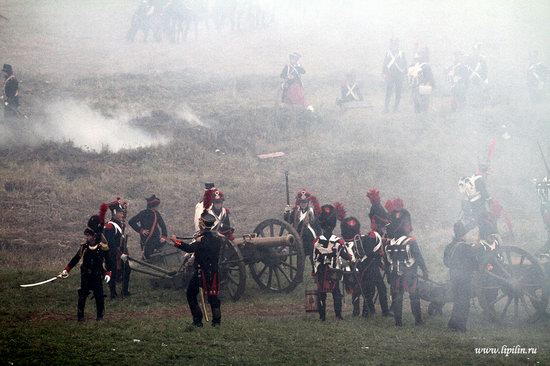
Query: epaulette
[(109, 225)]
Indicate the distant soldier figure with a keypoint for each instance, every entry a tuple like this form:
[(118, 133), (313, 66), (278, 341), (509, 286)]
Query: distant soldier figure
[(216, 208), (293, 89), (150, 226), (479, 72), (538, 75), (463, 260), (206, 248), (95, 267), (11, 93), (404, 257), (303, 219), (328, 248), (459, 79), (421, 81), (349, 91), (393, 70), (116, 239)]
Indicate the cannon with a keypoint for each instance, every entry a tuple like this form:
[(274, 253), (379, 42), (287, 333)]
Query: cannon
[(511, 286), (273, 253)]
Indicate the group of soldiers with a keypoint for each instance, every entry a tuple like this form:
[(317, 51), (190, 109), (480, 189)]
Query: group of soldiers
[(104, 254), (353, 261)]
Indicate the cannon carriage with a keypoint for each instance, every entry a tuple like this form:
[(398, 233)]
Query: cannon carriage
[(511, 286), (273, 253)]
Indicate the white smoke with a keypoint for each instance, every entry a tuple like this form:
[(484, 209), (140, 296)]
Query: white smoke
[(90, 130), (187, 114)]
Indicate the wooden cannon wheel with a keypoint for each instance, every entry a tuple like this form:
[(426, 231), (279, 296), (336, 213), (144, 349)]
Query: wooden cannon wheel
[(232, 271), (279, 268), (512, 286)]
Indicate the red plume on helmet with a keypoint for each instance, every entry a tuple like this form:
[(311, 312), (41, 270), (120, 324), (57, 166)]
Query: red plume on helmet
[(340, 211), (389, 205), (103, 212), (207, 199), (374, 196)]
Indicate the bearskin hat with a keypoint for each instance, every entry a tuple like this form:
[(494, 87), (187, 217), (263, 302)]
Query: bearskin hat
[(330, 214), (152, 201), (350, 227), (96, 222), (401, 223)]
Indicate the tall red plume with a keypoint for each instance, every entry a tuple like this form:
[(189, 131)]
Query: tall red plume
[(316, 205), (491, 150), (374, 196), (102, 212), (207, 198), (340, 211)]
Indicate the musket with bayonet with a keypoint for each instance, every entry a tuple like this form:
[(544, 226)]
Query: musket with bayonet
[(287, 211)]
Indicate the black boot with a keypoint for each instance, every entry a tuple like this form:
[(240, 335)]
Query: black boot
[(81, 305), (322, 308), (216, 316), (417, 312), (338, 308)]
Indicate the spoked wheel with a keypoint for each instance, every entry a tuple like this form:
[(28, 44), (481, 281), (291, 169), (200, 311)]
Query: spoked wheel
[(512, 286), (278, 268), (232, 271)]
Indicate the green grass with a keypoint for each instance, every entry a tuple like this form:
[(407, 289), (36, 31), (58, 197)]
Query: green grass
[(151, 327)]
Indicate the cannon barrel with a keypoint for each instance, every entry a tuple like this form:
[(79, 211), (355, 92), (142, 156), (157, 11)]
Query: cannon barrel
[(261, 241), (153, 267)]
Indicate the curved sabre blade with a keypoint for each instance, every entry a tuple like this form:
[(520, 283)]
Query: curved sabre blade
[(40, 283)]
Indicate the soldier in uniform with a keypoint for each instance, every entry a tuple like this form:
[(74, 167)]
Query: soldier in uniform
[(150, 226), (349, 91), (116, 239), (538, 75), (393, 70), (216, 209), (421, 81), (303, 218), (11, 93), (459, 79), (206, 248), (293, 89), (328, 248), (476, 202), (95, 267), (479, 72), (462, 258), (404, 257)]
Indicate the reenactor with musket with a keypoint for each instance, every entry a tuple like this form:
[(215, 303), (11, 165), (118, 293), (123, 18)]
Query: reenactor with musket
[(421, 81), (404, 257), (328, 248), (206, 247)]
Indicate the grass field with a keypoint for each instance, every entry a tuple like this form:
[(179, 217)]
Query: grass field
[(152, 327)]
